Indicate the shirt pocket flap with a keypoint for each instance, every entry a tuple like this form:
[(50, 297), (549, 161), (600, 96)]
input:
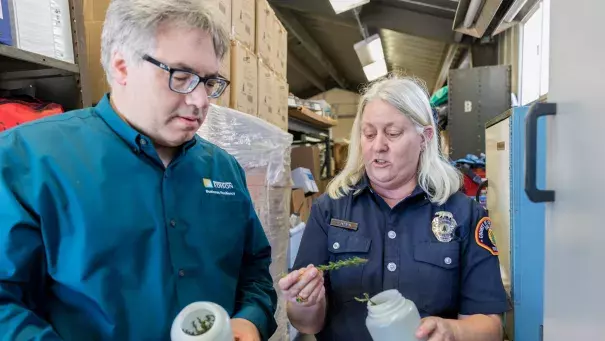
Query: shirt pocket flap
[(443, 255), (348, 244)]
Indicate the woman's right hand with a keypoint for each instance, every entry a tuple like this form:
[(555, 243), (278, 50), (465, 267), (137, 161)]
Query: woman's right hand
[(303, 287)]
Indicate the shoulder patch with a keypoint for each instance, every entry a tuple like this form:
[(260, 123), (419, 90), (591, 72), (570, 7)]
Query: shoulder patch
[(484, 236)]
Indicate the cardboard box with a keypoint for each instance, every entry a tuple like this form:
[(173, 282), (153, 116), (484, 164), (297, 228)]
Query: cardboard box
[(280, 99), (280, 51), (98, 81), (223, 13), (94, 10), (244, 79), (265, 21), (340, 152), (225, 71), (94, 16), (300, 205), (307, 157), (266, 84), (244, 22)]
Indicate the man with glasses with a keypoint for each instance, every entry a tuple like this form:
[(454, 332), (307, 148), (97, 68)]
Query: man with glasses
[(114, 218)]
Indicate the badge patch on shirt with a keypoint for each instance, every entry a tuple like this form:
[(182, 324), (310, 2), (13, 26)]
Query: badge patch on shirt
[(218, 187), (484, 236), (444, 226), (344, 224)]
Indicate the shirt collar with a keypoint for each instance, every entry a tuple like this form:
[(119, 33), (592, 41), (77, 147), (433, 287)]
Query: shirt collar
[(364, 184), (134, 139)]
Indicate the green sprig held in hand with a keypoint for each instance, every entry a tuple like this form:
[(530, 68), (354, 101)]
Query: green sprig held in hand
[(337, 265)]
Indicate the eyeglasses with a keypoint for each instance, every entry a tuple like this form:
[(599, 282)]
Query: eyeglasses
[(184, 81)]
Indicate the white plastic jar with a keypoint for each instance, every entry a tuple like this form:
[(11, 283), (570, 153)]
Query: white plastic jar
[(189, 320), (391, 317)]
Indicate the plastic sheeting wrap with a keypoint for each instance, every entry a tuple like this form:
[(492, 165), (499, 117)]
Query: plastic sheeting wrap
[(263, 150)]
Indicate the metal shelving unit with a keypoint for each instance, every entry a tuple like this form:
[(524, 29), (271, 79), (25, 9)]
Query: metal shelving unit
[(53, 80), (302, 130)]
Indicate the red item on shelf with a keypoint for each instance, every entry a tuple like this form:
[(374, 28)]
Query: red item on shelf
[(470, 186), (14, 112)]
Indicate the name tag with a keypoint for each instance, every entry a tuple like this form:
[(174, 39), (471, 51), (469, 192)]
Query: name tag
[(344, 224)]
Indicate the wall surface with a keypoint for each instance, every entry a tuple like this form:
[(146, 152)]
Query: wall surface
[(344, 104), (509, 43)]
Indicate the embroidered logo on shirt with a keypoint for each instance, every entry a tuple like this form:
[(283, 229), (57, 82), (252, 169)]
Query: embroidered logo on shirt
[(484, 236), (207, 183), (218, 187), (444, 225), (344, 224)]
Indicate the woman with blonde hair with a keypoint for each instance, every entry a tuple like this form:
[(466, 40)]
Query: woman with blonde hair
[(397, 204)]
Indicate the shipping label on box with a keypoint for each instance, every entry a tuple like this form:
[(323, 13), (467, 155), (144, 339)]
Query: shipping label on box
[(223, 11), (244, 79), (280, 50), (265, 93), (265, 19), (244, 22)]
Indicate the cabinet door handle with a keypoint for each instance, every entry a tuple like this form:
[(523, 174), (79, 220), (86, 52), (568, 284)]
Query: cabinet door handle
[(531, 145)]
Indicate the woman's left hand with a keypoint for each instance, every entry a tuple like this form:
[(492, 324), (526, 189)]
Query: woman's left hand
[(436, 329)]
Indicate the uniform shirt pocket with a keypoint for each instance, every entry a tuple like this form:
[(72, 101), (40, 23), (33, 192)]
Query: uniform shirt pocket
[(346, 282), (438, 276)]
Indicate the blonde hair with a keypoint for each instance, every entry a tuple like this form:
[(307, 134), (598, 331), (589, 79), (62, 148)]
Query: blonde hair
[(131, 25), (436, 176)]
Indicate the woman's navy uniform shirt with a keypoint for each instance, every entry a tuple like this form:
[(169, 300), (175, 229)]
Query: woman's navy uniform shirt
[(443, 279)]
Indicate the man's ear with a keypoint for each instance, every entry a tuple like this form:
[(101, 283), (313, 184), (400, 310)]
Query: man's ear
[(119, 68)]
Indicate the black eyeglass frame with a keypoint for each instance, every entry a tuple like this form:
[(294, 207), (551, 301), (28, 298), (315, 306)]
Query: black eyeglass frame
[(223, 81)]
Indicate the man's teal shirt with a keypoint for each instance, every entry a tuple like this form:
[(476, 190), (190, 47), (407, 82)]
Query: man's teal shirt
[(100, 241)]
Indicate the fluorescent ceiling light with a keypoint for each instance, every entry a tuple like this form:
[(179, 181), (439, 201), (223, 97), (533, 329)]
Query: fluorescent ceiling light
[(345, 5), (375, 70), (369, 50), (371, 56), (514, 10)]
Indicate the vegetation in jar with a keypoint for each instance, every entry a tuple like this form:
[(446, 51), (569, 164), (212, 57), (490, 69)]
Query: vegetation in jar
[(200, 326)]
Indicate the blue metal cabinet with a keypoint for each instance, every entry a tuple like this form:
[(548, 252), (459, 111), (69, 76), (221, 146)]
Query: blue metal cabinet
[(518, 222)]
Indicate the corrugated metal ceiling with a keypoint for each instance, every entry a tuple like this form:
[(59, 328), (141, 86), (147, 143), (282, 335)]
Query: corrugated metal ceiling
[(413, 56), (336, 35)]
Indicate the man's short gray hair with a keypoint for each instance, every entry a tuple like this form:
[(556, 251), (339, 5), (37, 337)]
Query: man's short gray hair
[(131, 25)]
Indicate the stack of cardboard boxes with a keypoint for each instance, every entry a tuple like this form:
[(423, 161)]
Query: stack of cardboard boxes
[(259, 48), (255, 63)]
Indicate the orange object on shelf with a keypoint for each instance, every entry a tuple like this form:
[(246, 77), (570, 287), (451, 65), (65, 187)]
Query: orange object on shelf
[(14, 112)]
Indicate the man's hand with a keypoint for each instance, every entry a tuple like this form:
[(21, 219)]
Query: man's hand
[(436, 329), (244, 330)]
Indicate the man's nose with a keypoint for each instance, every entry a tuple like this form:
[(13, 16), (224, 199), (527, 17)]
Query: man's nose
[(198, 98)]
